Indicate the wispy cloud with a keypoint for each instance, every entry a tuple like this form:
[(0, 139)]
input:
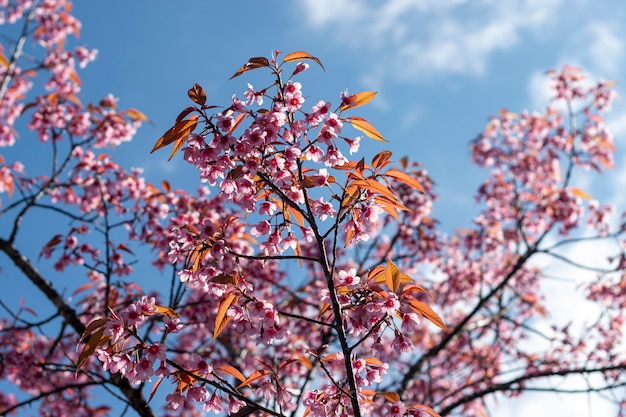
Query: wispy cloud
[(417, 39)]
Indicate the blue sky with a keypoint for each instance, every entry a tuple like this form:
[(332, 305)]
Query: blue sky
[(440, 68)]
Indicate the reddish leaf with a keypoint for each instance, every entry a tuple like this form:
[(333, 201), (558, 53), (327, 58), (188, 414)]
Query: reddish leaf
[(253, 63), (299, 55), (227, 279), (381, 159), (56, 239), (178, 132), (154, 389), (238, 121), (197, 94), (287, 363), (92, 342), (186, 112)]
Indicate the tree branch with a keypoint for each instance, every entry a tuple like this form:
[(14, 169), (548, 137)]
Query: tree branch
[(133, 395)]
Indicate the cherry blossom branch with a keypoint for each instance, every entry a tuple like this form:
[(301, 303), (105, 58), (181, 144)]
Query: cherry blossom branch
[(133, 395), (412, 372), (4, 85)]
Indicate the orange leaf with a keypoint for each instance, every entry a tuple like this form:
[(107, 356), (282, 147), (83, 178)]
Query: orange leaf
[(92, 342), (364, 126), (381, 159), (358, 100), (377, 274), (349, 235), (154, 389), (166, 311), (135, 114), (331, 357), (580, 193), (238, 121), (221, 319), (178, 144), (178, 132), (91, 327), (253, 63), (296, 56), (256, 375), (412, 288), (227, 279), (426, 409), (405, 178), (373, 361), (232, 371), (197, 94), (392, 276), (56, 239), (3, 60), (374, 186), (426, 311), (298, 252), (391, 396), (387, 207)]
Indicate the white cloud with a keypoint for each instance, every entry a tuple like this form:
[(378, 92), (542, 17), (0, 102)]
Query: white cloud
[(417, 39), (604, 48)]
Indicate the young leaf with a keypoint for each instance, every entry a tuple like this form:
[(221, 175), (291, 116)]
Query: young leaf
[(232, 371), (364, 126), (426, 409), (256, 375), (358, 100), (373, 361), (154, 389), (423, 309), (166, 311), (226, 279), (197, 94), (381, 159), (391, 396), (405, 178), (297, 56), (56, 239), (580, 193), (136, 115), (178, 132), (221, 319), (238, 121), (92, 342), (3, 60), (392, 276), (253, 63)]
